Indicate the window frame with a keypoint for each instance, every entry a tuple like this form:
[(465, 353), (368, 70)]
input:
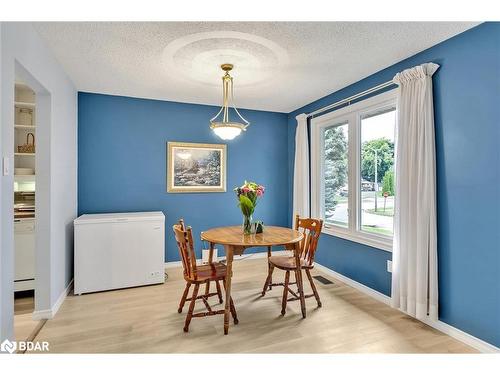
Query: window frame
[(353, 115)]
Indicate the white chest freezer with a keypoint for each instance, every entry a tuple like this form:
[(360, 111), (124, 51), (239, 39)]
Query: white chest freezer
[(119, 250)]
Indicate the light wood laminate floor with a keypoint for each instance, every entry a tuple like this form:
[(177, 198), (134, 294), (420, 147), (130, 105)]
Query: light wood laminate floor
[(145, 320), (24, 325)]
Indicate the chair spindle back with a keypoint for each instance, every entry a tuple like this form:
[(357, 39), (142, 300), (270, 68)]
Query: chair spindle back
[(311, 229), (184, 239)]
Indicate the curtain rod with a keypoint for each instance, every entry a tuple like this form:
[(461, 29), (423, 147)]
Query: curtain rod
[(351, 98)]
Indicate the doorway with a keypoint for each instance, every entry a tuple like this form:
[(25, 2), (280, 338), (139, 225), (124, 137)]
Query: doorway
[(30, 199), (24, 209)]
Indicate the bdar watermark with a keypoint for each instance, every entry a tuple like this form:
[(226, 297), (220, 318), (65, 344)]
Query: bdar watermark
[(8, 346)]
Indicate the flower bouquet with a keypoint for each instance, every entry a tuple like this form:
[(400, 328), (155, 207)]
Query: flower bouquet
[(247, 196)]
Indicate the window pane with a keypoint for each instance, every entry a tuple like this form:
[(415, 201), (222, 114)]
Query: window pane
[(335, 188), (377, 172)]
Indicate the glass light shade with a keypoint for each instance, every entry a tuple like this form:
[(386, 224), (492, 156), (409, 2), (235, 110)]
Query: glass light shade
[(227, 132)]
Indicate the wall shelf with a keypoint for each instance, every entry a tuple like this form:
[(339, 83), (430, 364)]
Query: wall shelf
[(24, 124), (24, 177), (22, 86), (27, 127), (25, 104)]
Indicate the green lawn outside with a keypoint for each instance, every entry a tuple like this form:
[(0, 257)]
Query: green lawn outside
[(364, 194), (340, 199), (336, 222), (376, 230), (370, 194), (389, 211)]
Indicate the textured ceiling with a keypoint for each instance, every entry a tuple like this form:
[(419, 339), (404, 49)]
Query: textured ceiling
[(278, 66)]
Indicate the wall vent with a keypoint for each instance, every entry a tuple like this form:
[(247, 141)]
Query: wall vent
[(323, 280)]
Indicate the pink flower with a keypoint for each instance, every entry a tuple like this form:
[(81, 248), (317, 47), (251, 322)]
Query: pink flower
[(259, 192), (245, 190)]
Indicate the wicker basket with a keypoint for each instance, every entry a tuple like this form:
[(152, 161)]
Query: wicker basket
[(27, 148)]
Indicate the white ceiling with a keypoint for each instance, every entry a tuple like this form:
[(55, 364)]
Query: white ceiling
[(278, 66)]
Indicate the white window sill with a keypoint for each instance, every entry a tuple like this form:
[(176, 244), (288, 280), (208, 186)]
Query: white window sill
[(375, 241)]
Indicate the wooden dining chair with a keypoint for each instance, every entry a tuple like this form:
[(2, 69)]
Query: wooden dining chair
[(311, 229), (198, 275)]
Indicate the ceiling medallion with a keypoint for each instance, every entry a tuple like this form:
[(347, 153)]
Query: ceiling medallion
[(227, 129)]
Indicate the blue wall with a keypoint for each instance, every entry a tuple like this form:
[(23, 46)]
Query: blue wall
[(467, 120), (122, 162)]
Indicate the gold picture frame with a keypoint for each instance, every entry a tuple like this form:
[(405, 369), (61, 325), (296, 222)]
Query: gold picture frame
[(196, 167)]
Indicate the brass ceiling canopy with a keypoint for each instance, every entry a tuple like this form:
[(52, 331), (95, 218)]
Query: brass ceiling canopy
[(227, 67)]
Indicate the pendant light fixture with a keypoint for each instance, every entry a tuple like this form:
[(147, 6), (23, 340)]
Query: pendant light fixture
[(227, 129)]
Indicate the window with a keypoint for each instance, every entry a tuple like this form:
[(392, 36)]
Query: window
[(377, 171), (335, 157), (352, 164)]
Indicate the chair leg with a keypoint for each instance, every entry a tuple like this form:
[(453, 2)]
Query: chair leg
[(268, 279), (233, 312), (184, 296), (285, 293), (313, 287), (191, 307), (207, 289), (219, 293)]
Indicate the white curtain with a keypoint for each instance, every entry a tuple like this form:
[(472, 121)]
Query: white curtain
[(301, 170), (414, 277)]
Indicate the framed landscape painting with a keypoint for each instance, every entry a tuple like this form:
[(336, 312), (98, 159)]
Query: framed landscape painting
[(196, 167)]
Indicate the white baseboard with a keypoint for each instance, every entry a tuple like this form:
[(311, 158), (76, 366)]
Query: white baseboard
[(262, 254), (42, 314), (50, 313), (462, 336), (173, 264), (367, 290)]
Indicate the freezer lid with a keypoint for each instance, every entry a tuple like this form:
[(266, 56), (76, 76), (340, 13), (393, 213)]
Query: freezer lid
[(120, 217)]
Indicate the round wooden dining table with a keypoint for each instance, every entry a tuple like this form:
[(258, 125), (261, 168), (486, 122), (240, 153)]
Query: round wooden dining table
[(235, 243)]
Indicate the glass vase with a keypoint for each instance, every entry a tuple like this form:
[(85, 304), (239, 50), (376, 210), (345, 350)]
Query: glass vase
[(247, 224)]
